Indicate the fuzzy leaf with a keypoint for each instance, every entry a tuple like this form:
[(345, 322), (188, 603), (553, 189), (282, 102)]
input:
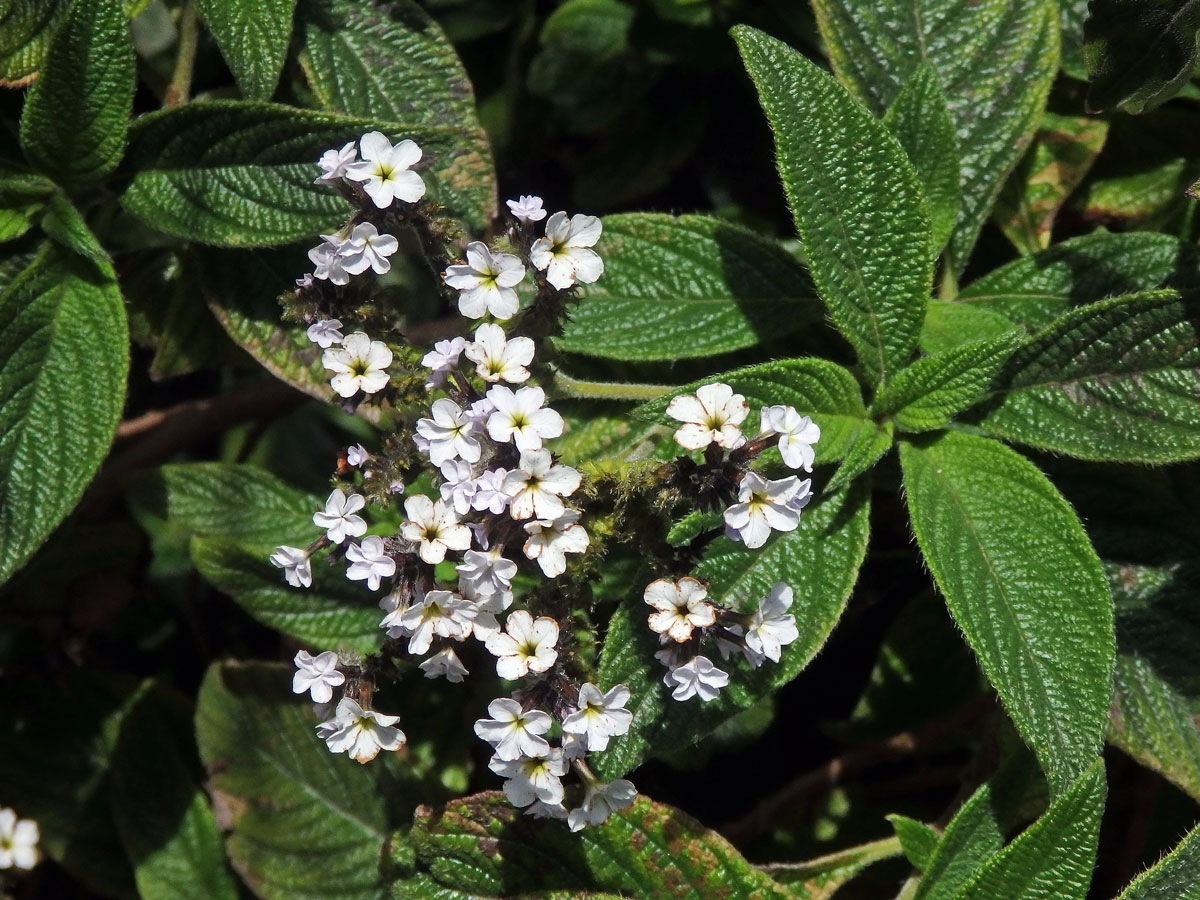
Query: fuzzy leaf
[(973, 836), (1174, 877), (869, 445), (949, 325), (26, 27), (253, 36), (22, 198), (918, 840)]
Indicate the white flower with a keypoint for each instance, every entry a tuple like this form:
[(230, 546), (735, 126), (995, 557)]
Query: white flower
[(325, 333), (360, 364), (489, 492), (369, 562), (526, 645), (550, 540), (480, 410), (599, 716), (498, 359), (797, 434), (458, 489), (772, 625), (486, 283), (681, 607), (339, 519), (297, 570), (713, 413), (318, 675), (366, 249), (540, 810), (384, 170), (360, 732), (442, 360), (802, 497), (534, 487), (451, 433), (18, 841), (396, 487), (333, 163), (486, 573), (527, 209), (563, 253), (512, 732), (532, 778), (357, 455), (697, 676), (330, 264), (440, 613), (445, 664), (764, 505), (435, 527), (600, 801), (521, 418)]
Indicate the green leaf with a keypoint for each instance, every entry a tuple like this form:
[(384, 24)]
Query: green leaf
[(62, 223), (57, 416), (253, 36), (996, 60), (819, 560), (75, 135), (1053, 858), (1025, 586), (240, 174), (870, 443), (26, 27), (919, 117), (818, 879), (1072, 14), (679, 287), (306, 822), (856, 200), (973, 836), (948, 325), (22, 198), (1174, 877), (1138, 54), (935, 388), (1118, 379), (918, 840)]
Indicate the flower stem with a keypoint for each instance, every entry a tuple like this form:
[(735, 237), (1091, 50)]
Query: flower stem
[(189, 34)]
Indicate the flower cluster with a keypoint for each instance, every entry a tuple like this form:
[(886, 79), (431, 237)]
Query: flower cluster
[(18, 841)]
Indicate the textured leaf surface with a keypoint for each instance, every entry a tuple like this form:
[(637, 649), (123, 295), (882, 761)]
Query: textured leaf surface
[(918, 839), (856, 200), (78, 135), (306, 822), (819, 560), (253, 36), (972, 837), (1025, 586), (678, 287), (1174, 877), (1118, 380), (22, 197), (26, 27), (949, 324), (870, 443), (820, 878), (57, 416)]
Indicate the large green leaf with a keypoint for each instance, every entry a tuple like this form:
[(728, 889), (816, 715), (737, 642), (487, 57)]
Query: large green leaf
[(856, 200), (1139, 54), (78, 135), (677, 287), (240, 174), (1025, 586), (1115, 380), (949, 324), (26, 27), (62, 387), (1174, 877), (996, 60), (253, 36), (306, 823), (819, 560)]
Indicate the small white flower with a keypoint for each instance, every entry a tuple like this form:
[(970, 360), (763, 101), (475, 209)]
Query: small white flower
[(486, 573), (369, 562), (19, 841), (599, 716), (445, 664), (600, 801), (360, 732), (458, 488), (385, 170), (360, 363), (498, 359), (486, 283), (329, 262), (698, 676), (564, 254), (550, 540), (802, 497), (535, 486), (435, 526), (526, 645), (680, 607), (366, 249), (540, 810), (713, 413), (451, 433), (442, 360), (305, 283), (512, 732), (763, 506), (333, 163), (325, 333), (356, 455), (772, 626), (527, 209), (532, 778), (396, 487), (297, 570), (489, 492), (480, 411), (339, 519), (318, 675), (797, 434), (440, 613)]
